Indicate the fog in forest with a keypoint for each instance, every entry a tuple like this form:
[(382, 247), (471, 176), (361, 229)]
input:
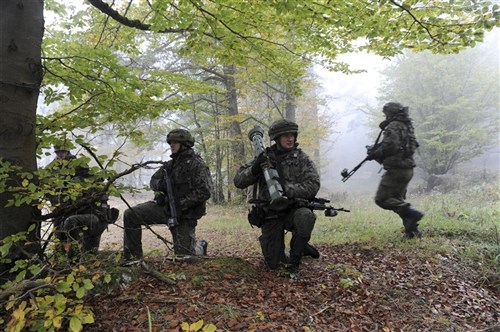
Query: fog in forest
[(351, 99)]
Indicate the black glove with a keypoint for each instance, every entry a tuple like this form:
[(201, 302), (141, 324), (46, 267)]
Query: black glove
[(256, 167), (370, 149)]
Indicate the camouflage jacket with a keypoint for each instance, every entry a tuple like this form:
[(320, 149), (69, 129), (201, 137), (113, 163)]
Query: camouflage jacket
[(298, 174), (191, 184), (398, 144)]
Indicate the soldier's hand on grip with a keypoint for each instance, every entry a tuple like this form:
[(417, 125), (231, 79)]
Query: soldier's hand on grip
[(257, 164)]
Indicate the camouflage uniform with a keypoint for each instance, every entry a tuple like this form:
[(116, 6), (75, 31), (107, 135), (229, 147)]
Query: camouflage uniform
[(299, 179), (395, 152), (84, 225), (191, 184)]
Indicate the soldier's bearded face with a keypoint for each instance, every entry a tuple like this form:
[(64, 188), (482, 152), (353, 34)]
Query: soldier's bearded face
[(175, 147), (287, 141)]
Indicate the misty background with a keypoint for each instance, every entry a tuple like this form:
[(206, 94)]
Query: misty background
[(352, 104), (353, 100)]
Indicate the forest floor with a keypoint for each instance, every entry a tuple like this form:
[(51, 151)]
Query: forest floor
[(352, 287)]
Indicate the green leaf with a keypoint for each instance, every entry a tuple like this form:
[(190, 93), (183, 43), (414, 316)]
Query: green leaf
[(75, 324), (63, 287), (87, 284), (80, 292)]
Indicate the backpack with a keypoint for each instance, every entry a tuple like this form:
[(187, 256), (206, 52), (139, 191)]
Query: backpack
[(411, 144)]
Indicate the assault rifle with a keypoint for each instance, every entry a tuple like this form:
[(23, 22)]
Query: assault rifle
[(172, 219), (346, 174), (319, 204), (370, 148), (278, 199)]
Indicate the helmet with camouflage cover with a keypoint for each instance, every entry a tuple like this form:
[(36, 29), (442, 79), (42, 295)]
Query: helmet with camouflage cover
[(182, 136), (393, 108), (58, 148), (281, 127)]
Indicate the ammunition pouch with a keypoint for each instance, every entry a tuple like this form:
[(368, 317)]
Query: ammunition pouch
[(256, 216)]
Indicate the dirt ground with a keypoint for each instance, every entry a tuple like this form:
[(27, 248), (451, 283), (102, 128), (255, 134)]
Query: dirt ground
[(351, 287)]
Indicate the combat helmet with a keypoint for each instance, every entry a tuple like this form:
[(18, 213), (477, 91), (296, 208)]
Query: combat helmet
[(182, 136), (392, 108), (58, 148), (281, 127), (64, 146)]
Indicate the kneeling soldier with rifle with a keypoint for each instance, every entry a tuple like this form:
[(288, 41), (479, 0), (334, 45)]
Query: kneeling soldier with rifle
[(182, 187), (281, 174)]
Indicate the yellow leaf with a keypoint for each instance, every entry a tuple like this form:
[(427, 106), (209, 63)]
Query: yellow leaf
[(78, 309), (88, 318), (57, 322), (196, 326), (19, 313), (25, 183), (50, 313), (185, 326), (209, 328)]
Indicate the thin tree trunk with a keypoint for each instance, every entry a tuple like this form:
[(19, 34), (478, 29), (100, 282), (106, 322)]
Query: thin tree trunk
[(21, 33), (290, 106), (237, 146)]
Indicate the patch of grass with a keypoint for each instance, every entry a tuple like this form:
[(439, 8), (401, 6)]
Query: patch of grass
[(228, 312)]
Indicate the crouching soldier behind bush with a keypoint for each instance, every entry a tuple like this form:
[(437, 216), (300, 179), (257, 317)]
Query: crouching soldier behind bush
[(395, 153), (300, 180), (80, 225), (191, 185)]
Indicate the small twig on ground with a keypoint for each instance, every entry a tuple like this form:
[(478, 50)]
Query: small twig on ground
[(158, 275), (25, 287)]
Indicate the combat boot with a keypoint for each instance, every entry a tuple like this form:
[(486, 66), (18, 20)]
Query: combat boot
[(411, 217), (292, 268), (311, 251)]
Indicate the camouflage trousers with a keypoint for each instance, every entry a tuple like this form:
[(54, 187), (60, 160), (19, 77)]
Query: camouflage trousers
[(184, 236), (83, 231), (391, 192), (272, 240)]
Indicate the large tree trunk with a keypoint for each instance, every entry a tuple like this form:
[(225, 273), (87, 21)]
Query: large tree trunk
[(21, 33)]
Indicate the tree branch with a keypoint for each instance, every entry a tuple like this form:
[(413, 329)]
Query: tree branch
[(106, 9)]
